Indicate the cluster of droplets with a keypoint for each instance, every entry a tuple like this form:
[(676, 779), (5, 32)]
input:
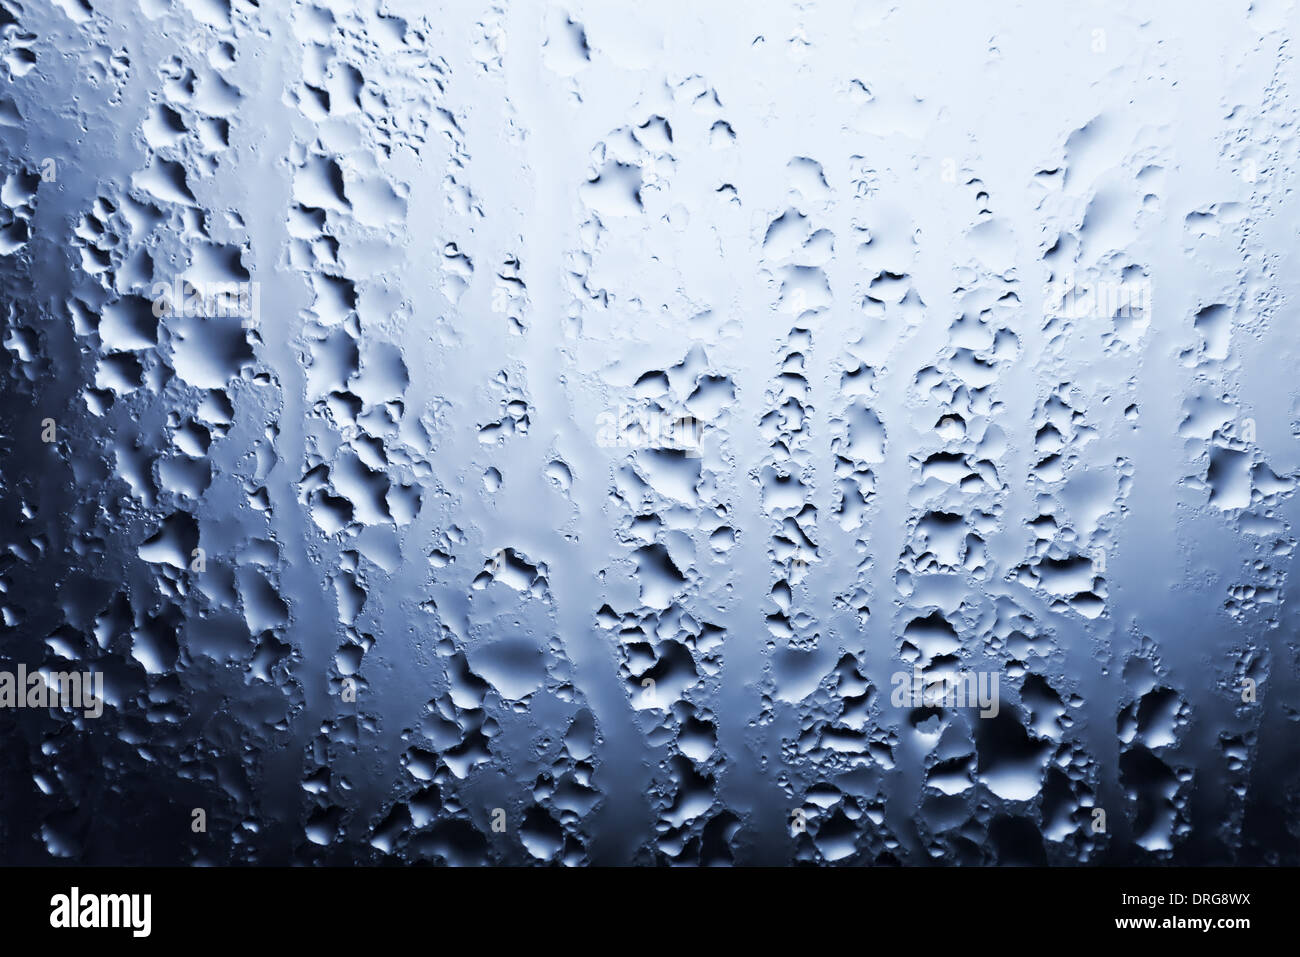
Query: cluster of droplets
[(502, 436)]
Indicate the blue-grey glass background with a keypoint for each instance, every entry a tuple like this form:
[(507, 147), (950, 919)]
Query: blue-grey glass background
[(632, 391)]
